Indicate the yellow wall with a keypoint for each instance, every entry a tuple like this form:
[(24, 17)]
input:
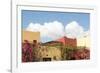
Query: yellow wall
[(49, 52), (30, 36)]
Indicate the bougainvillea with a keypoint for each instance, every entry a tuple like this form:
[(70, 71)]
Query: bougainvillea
[(78, 54), (26, 52)]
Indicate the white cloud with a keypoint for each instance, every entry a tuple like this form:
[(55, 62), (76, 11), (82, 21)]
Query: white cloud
[(53, 29), (74, 30), (34, 27)]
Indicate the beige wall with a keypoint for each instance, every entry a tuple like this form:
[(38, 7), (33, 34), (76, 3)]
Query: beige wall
[(49, 52), (30, 36), (84, 42)]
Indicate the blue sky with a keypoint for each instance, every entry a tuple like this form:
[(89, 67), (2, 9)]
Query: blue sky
[(29, 16)]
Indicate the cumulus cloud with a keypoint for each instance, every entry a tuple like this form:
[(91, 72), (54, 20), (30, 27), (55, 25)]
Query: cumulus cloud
[(54, 30), (51, 30), (36, 27), (74, 30)]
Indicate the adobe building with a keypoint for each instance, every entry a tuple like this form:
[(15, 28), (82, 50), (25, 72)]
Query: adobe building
[(63, 41), (50, 53), (30, 36), (84, 42), (46, 51), (68, 41)]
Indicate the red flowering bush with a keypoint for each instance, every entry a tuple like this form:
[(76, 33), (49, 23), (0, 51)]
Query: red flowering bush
[(82, 54), (77, 54), (26, 52)]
